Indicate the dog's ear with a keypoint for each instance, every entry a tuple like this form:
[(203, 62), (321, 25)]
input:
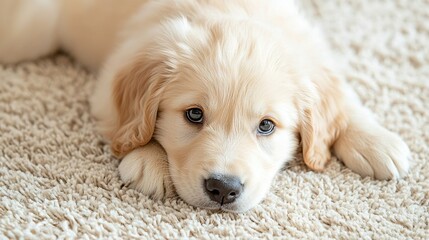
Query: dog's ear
[(136, 91), (138, 85), (322, 118)]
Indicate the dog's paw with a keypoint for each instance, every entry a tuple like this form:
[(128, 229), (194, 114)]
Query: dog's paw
[(146, 170), (374, 152)]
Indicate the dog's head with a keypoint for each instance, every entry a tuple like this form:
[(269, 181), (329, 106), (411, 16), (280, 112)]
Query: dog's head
[(225, 101)]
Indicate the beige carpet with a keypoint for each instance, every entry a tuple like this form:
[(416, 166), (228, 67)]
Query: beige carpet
[(58, 180)]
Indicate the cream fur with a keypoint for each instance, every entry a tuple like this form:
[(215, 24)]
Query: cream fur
[(240, 61)]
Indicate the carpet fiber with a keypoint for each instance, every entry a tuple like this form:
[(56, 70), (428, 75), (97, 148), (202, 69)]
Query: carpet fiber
[(58, 180)]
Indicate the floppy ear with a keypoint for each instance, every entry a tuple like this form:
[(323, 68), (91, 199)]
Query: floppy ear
[(136, 92), (138, 86), (322, 119)]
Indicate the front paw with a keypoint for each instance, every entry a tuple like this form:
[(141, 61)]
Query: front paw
[(146, 170), (374, 152)]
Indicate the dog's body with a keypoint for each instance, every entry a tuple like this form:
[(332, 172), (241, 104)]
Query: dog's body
[(208, 96)]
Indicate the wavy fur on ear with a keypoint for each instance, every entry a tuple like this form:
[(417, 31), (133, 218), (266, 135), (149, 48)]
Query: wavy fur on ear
[(322, 119), (137, 87), (136, 91)]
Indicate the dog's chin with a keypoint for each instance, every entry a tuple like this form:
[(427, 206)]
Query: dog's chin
[(231, 207), (235, 208), (240, 206)]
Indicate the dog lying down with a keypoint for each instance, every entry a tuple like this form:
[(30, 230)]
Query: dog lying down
[(207, 98)]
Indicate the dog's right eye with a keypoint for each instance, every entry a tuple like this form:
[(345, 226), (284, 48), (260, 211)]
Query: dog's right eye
[(194, 115), (266, 127)]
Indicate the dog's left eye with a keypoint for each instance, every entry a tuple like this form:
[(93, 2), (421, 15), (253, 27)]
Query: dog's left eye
[(266, 127), (194, 115)]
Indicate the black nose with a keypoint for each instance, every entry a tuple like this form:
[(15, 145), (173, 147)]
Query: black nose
[(223, 189)]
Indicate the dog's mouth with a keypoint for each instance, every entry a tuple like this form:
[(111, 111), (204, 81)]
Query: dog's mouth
[(230, 207)]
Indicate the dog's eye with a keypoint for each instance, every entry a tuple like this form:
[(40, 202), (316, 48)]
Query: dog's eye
[(194, 115), (266, 127)]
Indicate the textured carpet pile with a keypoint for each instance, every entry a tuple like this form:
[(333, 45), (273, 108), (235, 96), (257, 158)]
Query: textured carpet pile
[(58, 180)]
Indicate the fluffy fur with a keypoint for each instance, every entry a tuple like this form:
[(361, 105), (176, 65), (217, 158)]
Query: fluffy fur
[(240, 61)]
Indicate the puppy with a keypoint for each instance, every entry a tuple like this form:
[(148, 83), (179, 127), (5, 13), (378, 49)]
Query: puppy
[(207, 98)]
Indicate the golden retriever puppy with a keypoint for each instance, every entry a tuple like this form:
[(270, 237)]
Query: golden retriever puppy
[(207, 98)]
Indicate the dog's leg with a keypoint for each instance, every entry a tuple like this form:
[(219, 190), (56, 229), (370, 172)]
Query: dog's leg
[(368, 148), (146, 170), (27, 29)]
